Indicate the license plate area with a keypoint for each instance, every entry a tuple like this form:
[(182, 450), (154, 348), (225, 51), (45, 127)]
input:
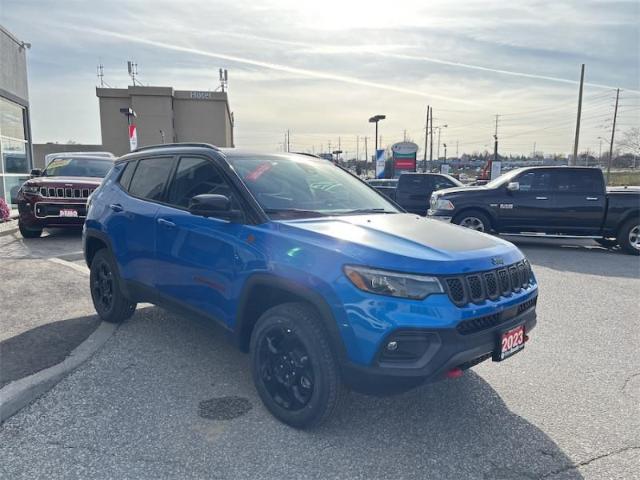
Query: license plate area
[(509, 343), (68, 212)]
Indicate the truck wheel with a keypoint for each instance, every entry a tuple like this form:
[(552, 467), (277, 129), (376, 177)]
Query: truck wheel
[(294, 368), (473, 219), (629, 236), (108, 300), (28, 232), (607, 242)]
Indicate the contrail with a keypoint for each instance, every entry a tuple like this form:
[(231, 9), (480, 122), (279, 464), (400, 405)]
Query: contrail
[(272, 66)]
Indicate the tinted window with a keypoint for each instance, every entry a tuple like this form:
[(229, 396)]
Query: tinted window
[(125, 178), (442, 182), (196, 176), (414, 183), (580, 181), (150, 178), (535, 181)]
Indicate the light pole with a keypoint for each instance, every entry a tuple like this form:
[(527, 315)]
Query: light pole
[(440, 127), (445, 153), (375, 119), (600, 150)]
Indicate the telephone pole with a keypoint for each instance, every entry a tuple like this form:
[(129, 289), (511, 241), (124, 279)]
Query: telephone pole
[(357, 148), (288, 141), (430, 138), (366, 159), (613, 132), (426, 137), (495, 145), (575, 144)]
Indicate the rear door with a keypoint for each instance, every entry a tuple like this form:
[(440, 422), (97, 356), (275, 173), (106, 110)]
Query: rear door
[(580, 200), (414, 192), (529, 209), (131, 222), (198, 258)]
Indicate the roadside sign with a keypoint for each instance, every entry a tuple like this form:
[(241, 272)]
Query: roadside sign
[(133, 137), (380, 163)]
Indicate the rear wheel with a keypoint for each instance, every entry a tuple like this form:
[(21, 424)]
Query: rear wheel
[(473, 219), (293, 365), (629, 236), (109, 301), (29, 232)]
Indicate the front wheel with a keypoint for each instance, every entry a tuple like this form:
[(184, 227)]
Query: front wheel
[(473, 219), (28, 232), (629, 236), (109, 301), (294, 368)]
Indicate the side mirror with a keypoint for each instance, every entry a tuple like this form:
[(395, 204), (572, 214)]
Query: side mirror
[(36, 172), (217, 206), (513, 186)]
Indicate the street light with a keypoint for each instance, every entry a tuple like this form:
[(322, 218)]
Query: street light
[(440, 127), (375, 119)]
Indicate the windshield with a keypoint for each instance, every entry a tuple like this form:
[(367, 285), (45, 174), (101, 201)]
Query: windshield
[(78, 167), (502, 179), (289, 185)]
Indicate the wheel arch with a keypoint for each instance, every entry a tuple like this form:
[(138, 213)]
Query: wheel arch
[(264, 291)]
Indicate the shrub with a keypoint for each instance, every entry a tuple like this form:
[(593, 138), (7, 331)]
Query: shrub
[(5, 212)]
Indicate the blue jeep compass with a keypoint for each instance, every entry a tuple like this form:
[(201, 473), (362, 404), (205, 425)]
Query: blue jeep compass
[(324, 281)]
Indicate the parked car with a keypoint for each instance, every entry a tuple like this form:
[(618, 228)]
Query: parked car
[(322, 279), (550, 201), (57, 196), (413, 190)]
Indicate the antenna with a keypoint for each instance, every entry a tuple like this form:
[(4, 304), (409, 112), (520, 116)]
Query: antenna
[(132, 68), (101, 75), (224, 79)]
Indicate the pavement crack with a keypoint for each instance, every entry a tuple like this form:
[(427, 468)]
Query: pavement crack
[(583, 463), (626, 382)]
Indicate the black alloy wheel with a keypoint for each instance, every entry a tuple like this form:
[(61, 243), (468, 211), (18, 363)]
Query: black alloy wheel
[(108, 299)]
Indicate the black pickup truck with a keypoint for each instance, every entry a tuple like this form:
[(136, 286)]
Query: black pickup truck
[(412, 190), (550, 201)]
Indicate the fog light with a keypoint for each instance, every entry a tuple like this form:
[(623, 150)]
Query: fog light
[(392, 346)]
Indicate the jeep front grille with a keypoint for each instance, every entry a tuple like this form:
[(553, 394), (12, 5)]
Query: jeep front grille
[(51, 192), (479, 287)]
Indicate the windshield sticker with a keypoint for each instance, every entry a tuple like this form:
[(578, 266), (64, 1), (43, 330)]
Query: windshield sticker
[(257, 172)]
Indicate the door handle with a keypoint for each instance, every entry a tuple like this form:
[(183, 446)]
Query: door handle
[(592, 198), (116, 207), (541, 198), (165, 223)]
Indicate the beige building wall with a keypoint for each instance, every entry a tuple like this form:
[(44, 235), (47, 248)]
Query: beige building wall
[(183, 116)]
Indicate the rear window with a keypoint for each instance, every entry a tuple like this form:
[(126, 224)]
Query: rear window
[(150, 178), (577, 181), (413, 183)]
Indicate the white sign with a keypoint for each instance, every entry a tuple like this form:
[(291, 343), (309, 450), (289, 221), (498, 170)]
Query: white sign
[(380, 163), (404, 148), (133, 137), (496, 169), (444, 168)]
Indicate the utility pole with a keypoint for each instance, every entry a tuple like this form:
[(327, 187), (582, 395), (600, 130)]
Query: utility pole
[(495, 146), (288, 141), (457, 149), (357, 148), (438, 156), (426, 137), (404, 136), (575, 144), (430, 138), (613, 132), (533, 154), (366, 158)]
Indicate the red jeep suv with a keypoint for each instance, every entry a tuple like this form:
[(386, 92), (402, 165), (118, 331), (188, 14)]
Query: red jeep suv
[(57, 196)]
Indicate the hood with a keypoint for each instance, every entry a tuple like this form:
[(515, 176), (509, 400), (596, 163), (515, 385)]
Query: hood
[(403, 239), (470, 188), (64, 181)]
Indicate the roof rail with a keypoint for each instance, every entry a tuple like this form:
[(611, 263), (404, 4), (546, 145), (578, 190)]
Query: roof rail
[(170, 145)]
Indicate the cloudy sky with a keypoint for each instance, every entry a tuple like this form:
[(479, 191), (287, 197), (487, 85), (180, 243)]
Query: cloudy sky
[(322, 68)]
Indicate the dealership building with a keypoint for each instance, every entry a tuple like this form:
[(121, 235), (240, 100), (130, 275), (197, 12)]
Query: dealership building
[(163, 115), (15, 131)]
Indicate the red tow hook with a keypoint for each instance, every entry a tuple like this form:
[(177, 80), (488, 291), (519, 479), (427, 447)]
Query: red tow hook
[(454, 373)]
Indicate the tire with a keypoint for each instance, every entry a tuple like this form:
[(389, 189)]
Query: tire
[(294, 368), (473, 219), (629, 236), (28, 232), (108, 300), (607, 242)]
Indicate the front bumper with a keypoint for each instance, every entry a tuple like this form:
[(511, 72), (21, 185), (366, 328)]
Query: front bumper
[(438, 215), (447, 349), (38, 213)]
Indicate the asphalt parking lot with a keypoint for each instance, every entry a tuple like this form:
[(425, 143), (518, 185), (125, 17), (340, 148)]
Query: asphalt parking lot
[(170, 398)]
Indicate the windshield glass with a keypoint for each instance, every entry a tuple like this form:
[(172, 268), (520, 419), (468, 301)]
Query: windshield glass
[(290, 185), (77, 167), (502, 179)]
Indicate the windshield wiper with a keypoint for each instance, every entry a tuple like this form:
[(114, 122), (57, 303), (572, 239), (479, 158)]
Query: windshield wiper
[(359, 211), (294, 211)]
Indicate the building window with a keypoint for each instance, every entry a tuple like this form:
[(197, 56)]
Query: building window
[(15, 161)]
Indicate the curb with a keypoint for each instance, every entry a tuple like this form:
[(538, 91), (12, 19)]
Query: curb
[(19, 394), (10, 230)]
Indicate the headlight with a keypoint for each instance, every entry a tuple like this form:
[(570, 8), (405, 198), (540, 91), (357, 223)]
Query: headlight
[(30, 189), (393, 284), (442, 204)]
